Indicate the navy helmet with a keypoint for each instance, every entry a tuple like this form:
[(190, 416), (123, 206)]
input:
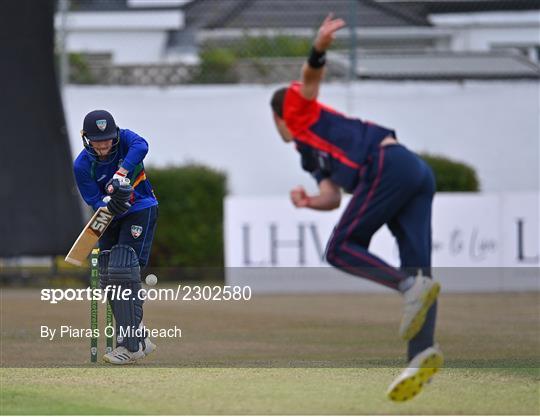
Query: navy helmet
[(99, 125)]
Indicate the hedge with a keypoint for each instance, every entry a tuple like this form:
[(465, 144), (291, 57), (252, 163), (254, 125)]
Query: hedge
[(218, 61), (216, 67), (190, 221), (451, 175), (79, 69)]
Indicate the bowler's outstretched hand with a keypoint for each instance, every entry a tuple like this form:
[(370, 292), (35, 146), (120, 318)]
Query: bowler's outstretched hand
[(325, 36)]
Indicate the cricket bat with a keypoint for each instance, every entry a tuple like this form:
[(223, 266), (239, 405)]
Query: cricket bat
[(89, 236)]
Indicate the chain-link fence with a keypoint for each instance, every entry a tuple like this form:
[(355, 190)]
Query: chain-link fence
[(265, 41)]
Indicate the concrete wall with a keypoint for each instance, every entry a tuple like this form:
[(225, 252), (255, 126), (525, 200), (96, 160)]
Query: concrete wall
[(494, 126)]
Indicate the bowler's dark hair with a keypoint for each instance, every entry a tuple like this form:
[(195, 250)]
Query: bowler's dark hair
[(278, 98)]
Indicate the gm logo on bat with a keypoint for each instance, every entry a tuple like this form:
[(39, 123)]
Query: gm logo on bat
[(101, 222)]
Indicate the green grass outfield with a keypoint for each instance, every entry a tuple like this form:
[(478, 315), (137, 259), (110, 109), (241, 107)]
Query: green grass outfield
[(276, 354), (261, 391)]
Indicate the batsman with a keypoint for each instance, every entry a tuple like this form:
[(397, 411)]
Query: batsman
[(110, 173), (389, 185)]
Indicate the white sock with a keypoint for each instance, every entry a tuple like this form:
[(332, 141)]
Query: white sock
[(406, 284)]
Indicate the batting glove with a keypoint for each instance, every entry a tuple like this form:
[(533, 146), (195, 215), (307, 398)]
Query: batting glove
[(117, 207), (118, 190)]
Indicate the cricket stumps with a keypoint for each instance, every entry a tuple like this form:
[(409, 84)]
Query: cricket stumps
[(109, 322)]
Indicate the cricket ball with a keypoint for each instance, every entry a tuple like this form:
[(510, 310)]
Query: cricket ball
[(151, 280)]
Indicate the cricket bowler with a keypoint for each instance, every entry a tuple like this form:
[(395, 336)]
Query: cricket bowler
[(110, 173), (389, 185)]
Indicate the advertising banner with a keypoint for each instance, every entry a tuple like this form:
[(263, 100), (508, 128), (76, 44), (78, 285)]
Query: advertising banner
[(479, 243)]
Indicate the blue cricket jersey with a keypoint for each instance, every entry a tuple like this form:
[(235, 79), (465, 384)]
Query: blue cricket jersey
[(92, 176), (331, 145)]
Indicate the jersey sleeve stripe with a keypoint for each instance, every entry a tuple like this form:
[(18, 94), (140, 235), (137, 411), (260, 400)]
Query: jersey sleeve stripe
[(315, 141)]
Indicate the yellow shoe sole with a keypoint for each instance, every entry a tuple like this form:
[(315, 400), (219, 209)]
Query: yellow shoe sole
[(418, 321), (410, 386)]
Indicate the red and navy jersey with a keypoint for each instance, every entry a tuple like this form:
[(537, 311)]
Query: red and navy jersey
[(331, 144)]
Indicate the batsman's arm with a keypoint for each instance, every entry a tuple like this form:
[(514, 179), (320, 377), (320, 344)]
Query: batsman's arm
[(88, 188), (313, 69), (137, 150)]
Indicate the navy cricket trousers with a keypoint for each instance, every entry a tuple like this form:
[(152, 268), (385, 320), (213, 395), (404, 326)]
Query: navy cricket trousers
[(134, 229), (396, 188)]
